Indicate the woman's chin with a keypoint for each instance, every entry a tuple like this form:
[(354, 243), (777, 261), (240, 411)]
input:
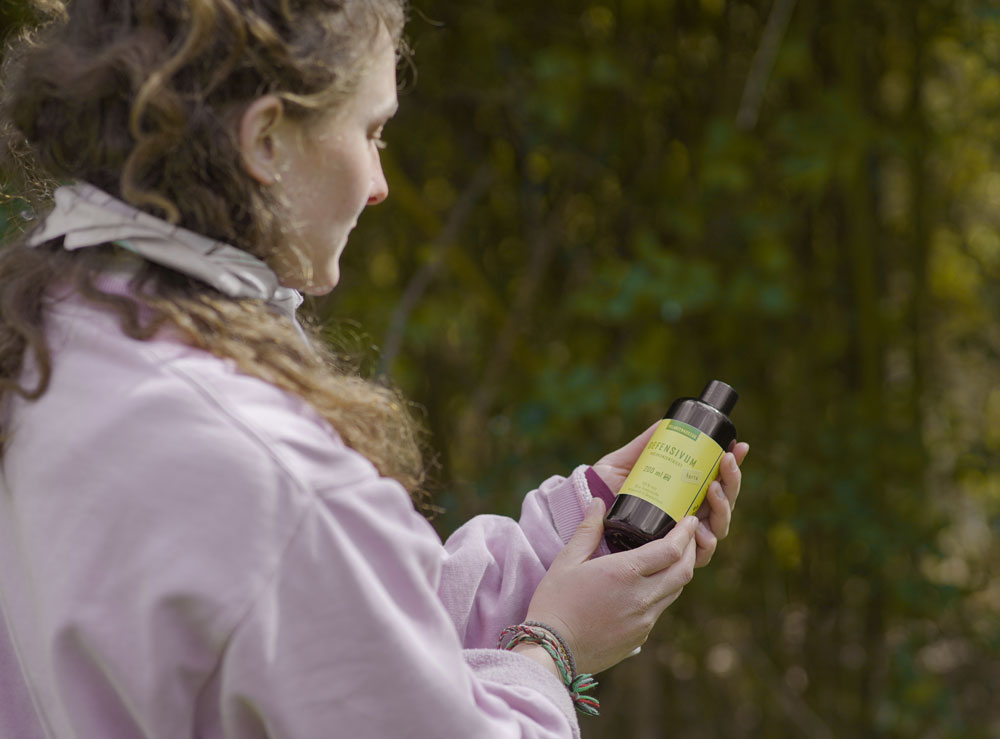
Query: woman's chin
[(317, 290), (323, 283), (320, 282)]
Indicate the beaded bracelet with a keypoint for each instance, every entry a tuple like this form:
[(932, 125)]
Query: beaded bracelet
[(535, 632)]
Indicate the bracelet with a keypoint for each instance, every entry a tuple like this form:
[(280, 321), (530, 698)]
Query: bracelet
[(534, 632), (562, 643)]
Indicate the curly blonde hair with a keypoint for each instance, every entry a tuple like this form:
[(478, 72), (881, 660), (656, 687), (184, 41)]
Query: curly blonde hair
[(139, 99)]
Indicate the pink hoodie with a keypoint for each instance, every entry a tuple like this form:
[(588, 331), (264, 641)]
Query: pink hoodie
[(186, 551)]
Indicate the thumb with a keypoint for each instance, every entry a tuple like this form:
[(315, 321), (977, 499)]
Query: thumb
[(587, 536)]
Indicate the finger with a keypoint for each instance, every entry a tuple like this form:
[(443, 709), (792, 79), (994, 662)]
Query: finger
[(586, 538), (719, 511), (660, 554), (672, 580), (740, 451), (730, 478), (634, 448), (707, 544), (628, 454)]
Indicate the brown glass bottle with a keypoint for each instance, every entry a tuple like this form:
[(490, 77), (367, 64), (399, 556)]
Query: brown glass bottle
[(674, 470)]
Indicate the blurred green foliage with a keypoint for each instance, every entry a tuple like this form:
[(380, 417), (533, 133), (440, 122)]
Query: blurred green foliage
[(596, 207)]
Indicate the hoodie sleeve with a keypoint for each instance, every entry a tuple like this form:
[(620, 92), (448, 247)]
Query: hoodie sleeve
[(493, 564), (350, 636)]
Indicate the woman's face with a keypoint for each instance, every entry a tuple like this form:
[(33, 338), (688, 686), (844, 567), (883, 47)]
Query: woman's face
[(330, 175)]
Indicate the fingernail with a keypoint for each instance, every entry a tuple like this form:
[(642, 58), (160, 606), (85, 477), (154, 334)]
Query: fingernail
[(719, 493)]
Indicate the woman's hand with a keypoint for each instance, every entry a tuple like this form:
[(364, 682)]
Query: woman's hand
[(714, 514), (604, 608), (716, 511), (614, 467)]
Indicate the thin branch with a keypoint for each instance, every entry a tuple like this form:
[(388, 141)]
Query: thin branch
[(763, 62), (423, 277), (543, 248), (799, 712)]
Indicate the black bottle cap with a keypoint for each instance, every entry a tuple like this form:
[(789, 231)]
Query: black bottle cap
[(719, 395)]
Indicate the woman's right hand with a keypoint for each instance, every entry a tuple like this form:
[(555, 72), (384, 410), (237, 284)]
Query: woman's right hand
[(605, 607)]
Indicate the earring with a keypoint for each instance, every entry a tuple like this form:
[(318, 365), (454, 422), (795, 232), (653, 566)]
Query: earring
[(277, 179)]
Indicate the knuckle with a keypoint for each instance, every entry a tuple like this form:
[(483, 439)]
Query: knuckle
[(634, 610), (645, 618), (645, 608), (629, 572), (720, 530), (673, 552), (632, 571), (687, 573)]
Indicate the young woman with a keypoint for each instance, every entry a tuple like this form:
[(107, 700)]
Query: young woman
[(206, 523)]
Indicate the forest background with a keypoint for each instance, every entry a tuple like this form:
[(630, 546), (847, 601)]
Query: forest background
[(596, 207)]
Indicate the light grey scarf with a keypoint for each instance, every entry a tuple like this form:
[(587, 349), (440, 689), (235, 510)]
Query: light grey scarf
[(85, 216)]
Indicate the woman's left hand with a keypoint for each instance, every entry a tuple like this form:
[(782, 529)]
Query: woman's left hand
[(716, 510), (715, 513)]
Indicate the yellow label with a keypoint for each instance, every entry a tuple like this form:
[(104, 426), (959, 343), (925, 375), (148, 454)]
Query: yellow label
[(674, 470)]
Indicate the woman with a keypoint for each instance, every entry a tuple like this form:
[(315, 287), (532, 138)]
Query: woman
[(205, 526)]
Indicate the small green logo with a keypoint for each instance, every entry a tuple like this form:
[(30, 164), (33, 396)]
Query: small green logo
[(682, 428)]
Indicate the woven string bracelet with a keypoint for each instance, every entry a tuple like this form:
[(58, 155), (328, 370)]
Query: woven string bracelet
[(562, 643), (534, 632)]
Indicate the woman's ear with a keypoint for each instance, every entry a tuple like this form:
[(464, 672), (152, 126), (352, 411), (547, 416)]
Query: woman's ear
[(258, 133)]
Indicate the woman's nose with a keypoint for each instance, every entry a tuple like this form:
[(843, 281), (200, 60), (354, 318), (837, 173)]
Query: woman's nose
[(380, 188)]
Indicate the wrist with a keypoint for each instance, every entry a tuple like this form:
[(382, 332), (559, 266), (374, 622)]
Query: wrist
[(537, 653), (535, 634)]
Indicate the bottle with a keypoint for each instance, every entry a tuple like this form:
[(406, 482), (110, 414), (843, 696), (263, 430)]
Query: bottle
[(672, 475)]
